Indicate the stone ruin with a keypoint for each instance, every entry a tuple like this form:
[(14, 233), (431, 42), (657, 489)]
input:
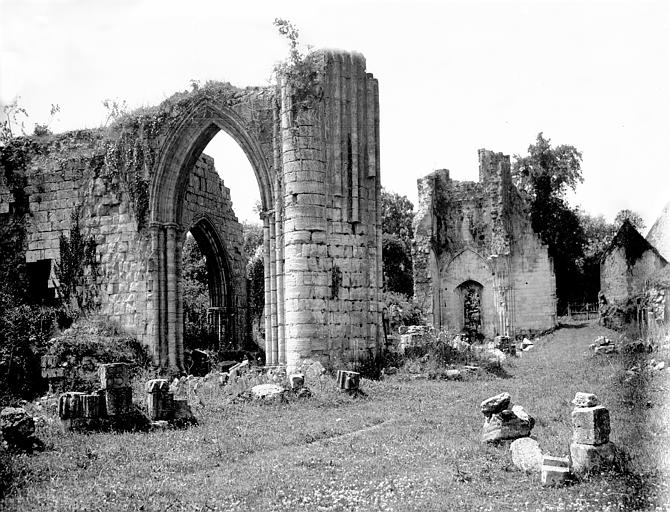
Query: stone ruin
[(135, 189), (590, 447), (634, 279), (479, 268), (112, 407)]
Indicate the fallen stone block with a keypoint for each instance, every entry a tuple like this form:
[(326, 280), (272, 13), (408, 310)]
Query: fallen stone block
[(555, 470), (114, 375), (585, 400), (451, 375), (17, 429), (183, 415), (506, 425), (587, 458), (526, 454), (268, 392), (495, 404), (118, 401), (70, 405), (590, 425), (296, 380), (160, 402), (348, 380), (93, 406)]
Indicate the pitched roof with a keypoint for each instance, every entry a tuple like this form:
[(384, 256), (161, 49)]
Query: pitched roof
[(633, 243), (659, 234)]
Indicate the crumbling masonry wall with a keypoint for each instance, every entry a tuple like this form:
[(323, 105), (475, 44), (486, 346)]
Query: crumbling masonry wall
[(480, 232), (313, 144), (64, 179)]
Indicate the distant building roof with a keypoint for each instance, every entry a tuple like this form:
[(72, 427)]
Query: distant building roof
[(633, 243), (659, 234)]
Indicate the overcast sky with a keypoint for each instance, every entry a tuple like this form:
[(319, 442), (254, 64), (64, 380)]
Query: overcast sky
[(453, 77)]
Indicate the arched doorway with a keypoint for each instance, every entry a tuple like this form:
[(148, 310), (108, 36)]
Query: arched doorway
[(471, 295), (169, 215), (211, 325)]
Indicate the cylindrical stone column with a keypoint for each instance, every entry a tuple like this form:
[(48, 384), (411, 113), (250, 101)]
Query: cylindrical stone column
[(153, 295), (268, 294), (305, 183), (171, 271)]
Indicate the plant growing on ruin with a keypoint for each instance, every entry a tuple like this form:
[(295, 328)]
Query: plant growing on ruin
[(299, 71), (43, 129), (116, 109), (78, 266)]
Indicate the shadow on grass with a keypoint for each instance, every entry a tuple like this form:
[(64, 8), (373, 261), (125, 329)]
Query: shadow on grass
[(498, 371), (580, 325)]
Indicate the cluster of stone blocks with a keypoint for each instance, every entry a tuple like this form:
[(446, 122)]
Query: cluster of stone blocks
[(113, 401), (503, 422), (112, 405), (590, 449), (162, 406)]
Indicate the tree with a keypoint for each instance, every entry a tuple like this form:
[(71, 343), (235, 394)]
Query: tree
[(543, 177), (397, 215), (633, 217), (253, 238), (195, 288)]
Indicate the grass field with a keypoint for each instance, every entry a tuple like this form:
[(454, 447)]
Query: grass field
[(412, 444)]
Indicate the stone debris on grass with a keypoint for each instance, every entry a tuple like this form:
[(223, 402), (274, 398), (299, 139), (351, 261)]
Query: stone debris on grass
[(495, 404), (112, 407), (603, 345), (555, 470), (268, 392), (503, 423), (590, 449), (526, 455), (312, 370), (17, 431), (296, 381), (459, 344), (585, 400)]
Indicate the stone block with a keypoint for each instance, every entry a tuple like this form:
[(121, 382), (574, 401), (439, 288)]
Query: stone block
[(118, 401), (590, 425), (587, 458), (70, 405), (114, 375), (495, 404), (296, 380), (348, 380), (507, 424), (585, 400), (526, 454), (555, 470), (93, 406)]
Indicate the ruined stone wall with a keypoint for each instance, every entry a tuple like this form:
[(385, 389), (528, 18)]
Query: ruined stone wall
[(621, 279), (481, 232), (65, 180), (313, 143)]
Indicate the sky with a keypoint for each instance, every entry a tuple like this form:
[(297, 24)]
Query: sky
[(454, 77)]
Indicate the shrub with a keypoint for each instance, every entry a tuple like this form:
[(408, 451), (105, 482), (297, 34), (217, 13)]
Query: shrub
[(89, 343), (402, 310)]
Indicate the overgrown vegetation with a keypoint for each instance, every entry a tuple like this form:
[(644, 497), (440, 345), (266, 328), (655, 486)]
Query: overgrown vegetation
[(299, 71), (78, 268)]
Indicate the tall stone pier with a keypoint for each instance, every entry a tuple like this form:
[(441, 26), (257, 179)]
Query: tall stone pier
[(137, 188)]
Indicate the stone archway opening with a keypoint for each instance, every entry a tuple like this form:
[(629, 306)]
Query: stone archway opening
[(471, 295), (188, 188), (207, 293)]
